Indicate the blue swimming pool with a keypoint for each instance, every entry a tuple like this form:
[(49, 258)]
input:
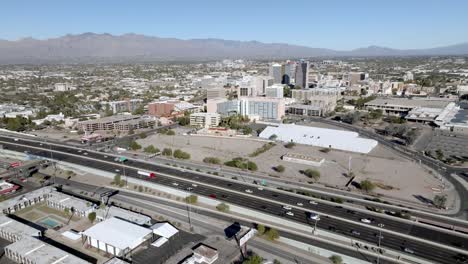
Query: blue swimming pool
[(49, 223)]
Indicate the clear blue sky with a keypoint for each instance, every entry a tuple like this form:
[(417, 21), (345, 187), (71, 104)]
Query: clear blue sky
[(337, 24)]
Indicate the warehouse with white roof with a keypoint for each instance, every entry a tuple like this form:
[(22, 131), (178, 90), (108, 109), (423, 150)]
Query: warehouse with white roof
[(116, 236), (320, 137)]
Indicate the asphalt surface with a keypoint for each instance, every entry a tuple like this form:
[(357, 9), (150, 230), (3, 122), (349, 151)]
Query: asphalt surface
[(128, 198), (391, 241)]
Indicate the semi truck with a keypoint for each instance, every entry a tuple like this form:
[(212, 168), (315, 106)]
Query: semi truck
[(147, 174)]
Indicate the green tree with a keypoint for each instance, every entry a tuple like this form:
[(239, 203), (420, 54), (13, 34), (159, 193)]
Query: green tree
[(336, 259), (260, 229), (222, 207), (135, 146), (290, 145), (67, 211), (192, 199), (272, 234), (92, 217), (167, 152), (273, 137), (367, 185), (142, 135), (170, 132), (313, 174), (151, 149), (279, 168), (254, 259), (251, 166), (184, 120), (212, 160), (440, 201), (139, 110), (117, 179), (179, 154)]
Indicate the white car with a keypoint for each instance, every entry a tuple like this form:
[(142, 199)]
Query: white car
[(409, 250), (248, 191), (194, 185), (314, 216), (260, 188), (365, 220), (105, 156), (300, 204), (86, 153), (313, 202), (117, 170), (175, 184), (15, 139), (290, 213), (287, 207)]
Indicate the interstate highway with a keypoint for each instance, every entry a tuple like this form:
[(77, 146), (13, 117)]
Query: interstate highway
[(422, 249)]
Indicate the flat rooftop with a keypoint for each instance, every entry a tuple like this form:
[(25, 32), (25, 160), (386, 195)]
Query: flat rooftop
[(414, 102), (118, 212), (43, 253), (25, 197), (19, 229), (111, 119), (118, 233), (69, 201)]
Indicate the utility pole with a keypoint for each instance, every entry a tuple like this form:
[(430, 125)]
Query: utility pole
[(380, 238)]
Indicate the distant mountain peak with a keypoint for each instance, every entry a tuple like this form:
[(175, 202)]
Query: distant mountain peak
[(90, 47)]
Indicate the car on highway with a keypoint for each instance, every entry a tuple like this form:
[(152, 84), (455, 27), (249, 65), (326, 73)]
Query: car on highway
[(313, 202), (248, 191), (356, 233), (290, 213), (189, 189), (365, 220), (408, 250), (299, 204), (194, 185), (117, 170), (86, 153), (213, 196), (175, 184), (15, 139), (287, 207), (314, 216), (260, 188)]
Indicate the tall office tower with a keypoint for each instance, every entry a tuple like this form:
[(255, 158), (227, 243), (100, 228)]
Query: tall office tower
[(288, 73), (276, 72), (302, 74)]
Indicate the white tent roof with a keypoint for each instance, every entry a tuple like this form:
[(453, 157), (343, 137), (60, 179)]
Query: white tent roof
[(164, 229), (320, 137), (118, 233)]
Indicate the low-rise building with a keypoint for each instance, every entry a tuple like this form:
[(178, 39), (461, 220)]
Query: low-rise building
[(118, 122), (128, 105), (6, 187), (171, 108), (13, 230), (402, 106), (20, 202), (114, 211), (31, 250), (63, 87), (205, 119), (63, 201), (275, 91), (202, 254), (116, 237)]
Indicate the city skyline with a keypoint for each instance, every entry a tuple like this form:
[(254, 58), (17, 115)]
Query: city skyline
[(333, 25)]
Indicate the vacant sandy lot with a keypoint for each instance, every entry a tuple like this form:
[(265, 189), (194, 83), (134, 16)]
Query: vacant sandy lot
[(397, 177)]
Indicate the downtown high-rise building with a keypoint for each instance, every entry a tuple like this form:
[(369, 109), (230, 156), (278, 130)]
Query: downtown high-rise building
[(302, 74), (276, 71)]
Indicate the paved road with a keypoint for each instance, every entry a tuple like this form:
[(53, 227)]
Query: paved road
[(128, 198), (392, 241)]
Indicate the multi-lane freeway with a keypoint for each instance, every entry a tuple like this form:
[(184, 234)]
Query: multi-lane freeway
[(261, 200)]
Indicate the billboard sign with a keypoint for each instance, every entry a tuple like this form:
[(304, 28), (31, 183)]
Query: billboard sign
[(247, 236)]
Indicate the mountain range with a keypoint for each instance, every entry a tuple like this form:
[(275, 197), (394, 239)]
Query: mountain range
[(92, 47)]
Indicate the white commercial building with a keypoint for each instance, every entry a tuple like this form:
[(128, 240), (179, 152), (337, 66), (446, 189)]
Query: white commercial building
[(320, 137), (114, 211), (275, 91), (116, 237), (13, 230), (205, 119), (32, 250), (63, 201)]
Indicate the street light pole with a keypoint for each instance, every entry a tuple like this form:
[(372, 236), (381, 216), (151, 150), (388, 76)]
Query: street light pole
[(123, 169), (380, 238)]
